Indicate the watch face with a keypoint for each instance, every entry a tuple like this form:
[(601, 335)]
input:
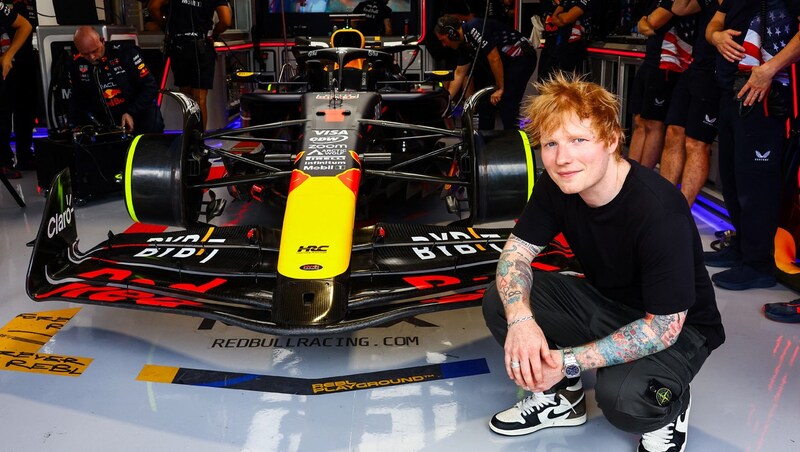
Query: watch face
[(572, 371)]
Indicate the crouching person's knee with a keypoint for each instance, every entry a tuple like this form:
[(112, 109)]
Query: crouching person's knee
[(632, 405)]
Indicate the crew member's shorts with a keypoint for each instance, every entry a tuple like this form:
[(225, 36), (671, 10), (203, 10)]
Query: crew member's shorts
[(193, 62), (651, 93), (695, 105)]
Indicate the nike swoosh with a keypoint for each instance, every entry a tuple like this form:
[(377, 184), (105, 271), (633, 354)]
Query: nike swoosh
[(683, 423), (554, 415)]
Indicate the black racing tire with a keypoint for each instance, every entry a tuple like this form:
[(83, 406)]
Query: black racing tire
[(504, 172), (160, 171)]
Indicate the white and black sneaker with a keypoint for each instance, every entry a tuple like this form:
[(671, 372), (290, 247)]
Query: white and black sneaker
[(669, 438), (553, 408)]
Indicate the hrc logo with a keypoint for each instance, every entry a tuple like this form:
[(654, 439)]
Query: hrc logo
[(313, 249)]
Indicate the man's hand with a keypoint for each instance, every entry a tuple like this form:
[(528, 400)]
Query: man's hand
[(726, 46), (527, 346), (127, 122), (757, 86), (496, 96), (6, 64)]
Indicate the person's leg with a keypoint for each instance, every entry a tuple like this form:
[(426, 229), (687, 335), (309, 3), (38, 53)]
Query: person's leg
[(701, 130), (695, 170), (570, 312), (200, 96), (24, 109), (730, 256), (759, 142), (6, 154), (649, 393), (518, 75), (726, 145), (654, 132), (637, 139), (568, 309), (658, 92), (674, 155)]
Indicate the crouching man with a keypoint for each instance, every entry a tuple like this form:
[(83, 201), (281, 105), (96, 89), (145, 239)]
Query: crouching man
[(644, 316)]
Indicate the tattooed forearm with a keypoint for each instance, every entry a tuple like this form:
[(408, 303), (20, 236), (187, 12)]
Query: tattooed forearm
[(635, 340), (514, 275)]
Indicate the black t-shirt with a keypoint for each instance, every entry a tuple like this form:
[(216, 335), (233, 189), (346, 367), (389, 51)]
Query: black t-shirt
[(26, 9), (192, 17), (641, 249), (7, 18), (579, 30), (703, 53), (652, 53), (745, 16), (375, 12)]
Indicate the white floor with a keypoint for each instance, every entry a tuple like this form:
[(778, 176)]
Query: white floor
[(747, 397)]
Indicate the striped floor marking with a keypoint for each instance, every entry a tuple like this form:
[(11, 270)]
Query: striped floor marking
[(311, 386)]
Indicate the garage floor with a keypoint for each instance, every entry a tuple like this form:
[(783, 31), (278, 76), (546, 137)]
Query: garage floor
[(98, 385)]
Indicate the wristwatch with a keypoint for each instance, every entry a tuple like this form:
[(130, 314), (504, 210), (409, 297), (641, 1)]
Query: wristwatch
[(571, 367)]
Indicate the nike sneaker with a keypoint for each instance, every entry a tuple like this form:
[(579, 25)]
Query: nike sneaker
[(556, 407), (669, 438)]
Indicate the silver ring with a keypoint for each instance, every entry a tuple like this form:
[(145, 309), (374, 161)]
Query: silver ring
[(515, 364)]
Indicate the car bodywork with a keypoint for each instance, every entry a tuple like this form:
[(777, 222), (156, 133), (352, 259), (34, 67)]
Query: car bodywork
[(319, 273)]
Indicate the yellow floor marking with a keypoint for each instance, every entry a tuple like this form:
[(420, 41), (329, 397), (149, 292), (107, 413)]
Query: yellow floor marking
[(157, 374), (23, 336)]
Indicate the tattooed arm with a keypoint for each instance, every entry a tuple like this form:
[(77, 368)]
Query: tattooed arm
[(515, 277), (525, 342), (646, 336)]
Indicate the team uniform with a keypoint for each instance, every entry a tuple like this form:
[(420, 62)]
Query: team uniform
[(7, 17), (640, 253), (695, 99), (751, 143), (572, 40), (120, 83), (375, 12), (18, 107), (517, 55), (190, 47), (547, 58), (667, 55)]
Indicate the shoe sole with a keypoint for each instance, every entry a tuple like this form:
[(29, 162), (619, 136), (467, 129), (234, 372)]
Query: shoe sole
[(527, 431), (745, 286)]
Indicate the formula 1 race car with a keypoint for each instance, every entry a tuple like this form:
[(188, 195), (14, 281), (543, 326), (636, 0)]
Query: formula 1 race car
[(319, 273)]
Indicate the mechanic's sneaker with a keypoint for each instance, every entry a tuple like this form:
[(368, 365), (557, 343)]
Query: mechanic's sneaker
[(669, 438), (10, 172), (725, 258), (743, 277), (552, 408), (788, 312)]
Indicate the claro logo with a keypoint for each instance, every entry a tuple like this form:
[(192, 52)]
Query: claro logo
[(60, 221)]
